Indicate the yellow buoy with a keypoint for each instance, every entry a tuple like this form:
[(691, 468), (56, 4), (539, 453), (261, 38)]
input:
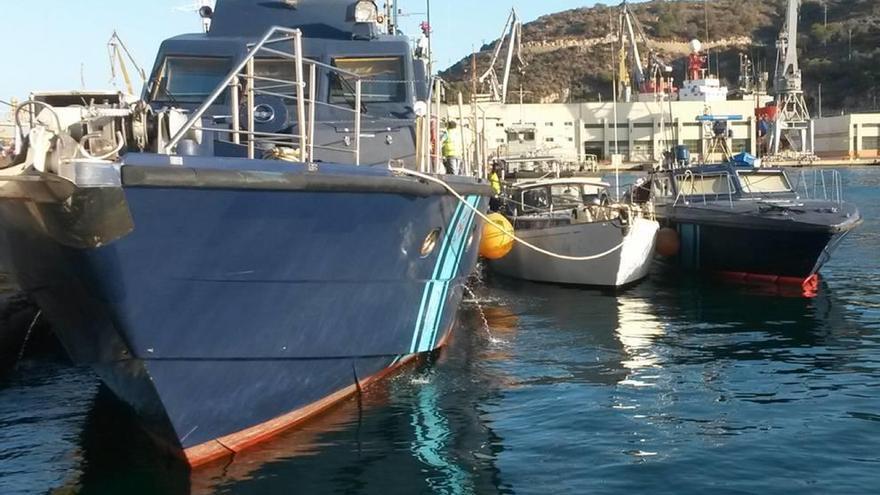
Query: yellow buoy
[(497, 237)]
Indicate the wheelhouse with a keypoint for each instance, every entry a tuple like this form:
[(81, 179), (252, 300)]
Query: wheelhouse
[(353, 68), (557, 195)]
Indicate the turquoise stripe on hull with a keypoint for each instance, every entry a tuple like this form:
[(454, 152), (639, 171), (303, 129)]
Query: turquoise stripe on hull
[(448, 277), (420, 316)]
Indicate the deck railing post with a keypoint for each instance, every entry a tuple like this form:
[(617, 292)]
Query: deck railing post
[(250, 108), (234, 109), (313, 77), (302, 125), (357, 122)]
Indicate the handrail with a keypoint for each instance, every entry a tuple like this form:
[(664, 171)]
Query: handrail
[(222, 87), (305, 117), (819, 178), (690, 175)]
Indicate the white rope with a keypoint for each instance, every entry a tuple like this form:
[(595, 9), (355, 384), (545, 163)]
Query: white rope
[(525, 243)]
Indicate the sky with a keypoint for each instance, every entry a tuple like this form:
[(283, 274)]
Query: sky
[(59, 44)]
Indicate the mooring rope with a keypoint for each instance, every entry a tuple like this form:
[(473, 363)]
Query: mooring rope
[(525, 243)]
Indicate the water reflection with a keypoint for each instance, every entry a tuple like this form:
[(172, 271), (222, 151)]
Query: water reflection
[(638, 330)]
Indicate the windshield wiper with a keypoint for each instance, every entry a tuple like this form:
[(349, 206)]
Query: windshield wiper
[(349, 89)]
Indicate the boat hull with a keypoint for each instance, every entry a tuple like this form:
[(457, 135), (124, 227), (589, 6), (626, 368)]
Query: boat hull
[(623, 266), (224, 312), (789, 255)]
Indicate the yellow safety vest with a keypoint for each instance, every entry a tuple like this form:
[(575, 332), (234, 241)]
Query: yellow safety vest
[(495, 181), (450, 145)]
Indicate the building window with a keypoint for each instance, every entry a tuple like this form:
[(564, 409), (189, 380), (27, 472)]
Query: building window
[(520, 136), (549, 140), (871, 143), (500, 140), (571, 140), (693, 145), (740, 146), (569, 124), (642, 125), (596, 148), (594, 126), (548, 124), (622, 147), (499, 124)]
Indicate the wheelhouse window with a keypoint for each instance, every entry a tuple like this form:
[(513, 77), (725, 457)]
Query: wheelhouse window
[(381, 80), (703, 184), (537, 198), (757, 182), (190, 79), (275, 76)]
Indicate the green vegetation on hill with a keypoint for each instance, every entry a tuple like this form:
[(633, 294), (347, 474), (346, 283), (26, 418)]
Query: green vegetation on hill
[(568, 62)]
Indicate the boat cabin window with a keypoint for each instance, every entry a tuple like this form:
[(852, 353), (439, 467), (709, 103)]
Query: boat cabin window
[(762, 182), (190, 79), (275, 76), (703, 184), (567, 194), (382, 80), (537, 198)]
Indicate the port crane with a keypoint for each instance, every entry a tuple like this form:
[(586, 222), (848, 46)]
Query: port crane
[(118, 54), (793, 123), (651, 78), (512, 35)]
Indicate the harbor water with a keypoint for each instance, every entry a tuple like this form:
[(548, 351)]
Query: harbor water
[(678, 385)]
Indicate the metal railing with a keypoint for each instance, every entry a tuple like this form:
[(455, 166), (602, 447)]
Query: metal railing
[(242, 81), (823, 184), (690, 177)]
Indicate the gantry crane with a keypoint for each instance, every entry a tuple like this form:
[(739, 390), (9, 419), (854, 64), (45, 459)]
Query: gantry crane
[(793, 123)]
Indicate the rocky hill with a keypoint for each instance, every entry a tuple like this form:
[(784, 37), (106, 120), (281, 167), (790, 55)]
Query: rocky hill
[(569, 54)]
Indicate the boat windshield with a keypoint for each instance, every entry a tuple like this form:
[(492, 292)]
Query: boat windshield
[(382, 80), (190, 79), (703, 184), (560, 196), (763, 182), (193, 79)]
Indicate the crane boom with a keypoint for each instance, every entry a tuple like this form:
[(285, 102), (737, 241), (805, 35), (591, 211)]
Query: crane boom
[(512, 34), (793, 124)]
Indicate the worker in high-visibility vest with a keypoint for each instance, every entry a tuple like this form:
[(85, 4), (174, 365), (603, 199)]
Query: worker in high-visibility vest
[(495, 182), (451, 149)]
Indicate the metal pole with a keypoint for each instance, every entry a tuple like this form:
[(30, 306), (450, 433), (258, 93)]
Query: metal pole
[(464, 156), (484, 145), (430, 36), (313, 80), (250, 107), (235, 105), (300, 96), (437, 144), (357, 122)]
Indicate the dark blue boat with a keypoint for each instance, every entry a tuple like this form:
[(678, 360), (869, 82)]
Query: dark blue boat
[(751, 223), (213, 251)]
